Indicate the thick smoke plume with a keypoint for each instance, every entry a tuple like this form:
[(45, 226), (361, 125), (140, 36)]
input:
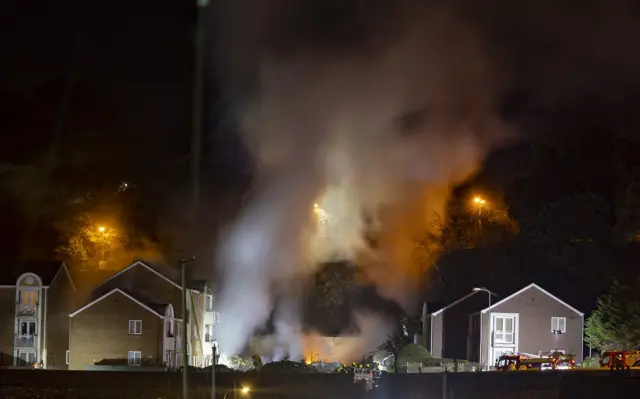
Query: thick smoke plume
[(372, 120)]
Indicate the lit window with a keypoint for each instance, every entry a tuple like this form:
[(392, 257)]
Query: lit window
[(135, 327), (66, 357), (559, 324), (134, 358)]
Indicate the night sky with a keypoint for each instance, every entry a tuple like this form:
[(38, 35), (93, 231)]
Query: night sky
[(570, 67)]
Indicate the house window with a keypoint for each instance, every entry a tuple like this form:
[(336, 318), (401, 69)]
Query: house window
[(208, 333), (559, 324), (195, 333), (135, 327), (503, 330), (134, 358), (66, 358), (195, 361), (28, 297), (208, 303), (169, 328)]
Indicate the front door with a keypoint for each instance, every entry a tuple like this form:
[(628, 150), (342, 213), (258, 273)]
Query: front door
[(504, 335), (26, 359)]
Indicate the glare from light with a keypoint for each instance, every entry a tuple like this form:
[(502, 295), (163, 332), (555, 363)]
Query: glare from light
[(479, 201), (315, 206), (245, 390), (101, 229)]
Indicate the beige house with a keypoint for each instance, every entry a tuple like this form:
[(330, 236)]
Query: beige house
[(134, 319), (34, 303)]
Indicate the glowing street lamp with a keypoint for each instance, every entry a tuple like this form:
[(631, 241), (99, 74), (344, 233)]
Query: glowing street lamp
[(244, 391), (480, 202), (101, 229)]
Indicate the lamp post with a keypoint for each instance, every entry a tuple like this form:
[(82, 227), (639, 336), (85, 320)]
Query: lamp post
[(490, 294), (214, 351), (480, 202), (185, 320)]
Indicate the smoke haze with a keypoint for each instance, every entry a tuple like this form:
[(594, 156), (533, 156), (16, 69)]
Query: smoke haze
[(374, 130)]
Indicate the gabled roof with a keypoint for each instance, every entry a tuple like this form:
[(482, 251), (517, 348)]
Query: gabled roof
[(143, 265), (65, 269), (533, 285), (464, 298), (45, 270), (108, 294)]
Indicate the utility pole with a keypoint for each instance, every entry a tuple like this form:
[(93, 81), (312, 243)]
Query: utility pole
[(185, 320), (196, 153), (214, 351)]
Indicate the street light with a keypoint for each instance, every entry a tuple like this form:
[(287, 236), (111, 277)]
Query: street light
[(483, 289), (101, 229), (244, 391), (214, 356), (480, 202)]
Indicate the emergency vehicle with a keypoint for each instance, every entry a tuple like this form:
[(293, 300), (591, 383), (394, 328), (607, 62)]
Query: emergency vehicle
[(619, 360), (524, 362)]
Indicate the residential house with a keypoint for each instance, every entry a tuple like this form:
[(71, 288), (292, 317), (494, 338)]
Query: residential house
[(34, 303), (135, 318), (451, 326), (531, 321)]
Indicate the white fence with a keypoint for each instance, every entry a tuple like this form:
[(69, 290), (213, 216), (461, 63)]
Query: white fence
[(439, 366)]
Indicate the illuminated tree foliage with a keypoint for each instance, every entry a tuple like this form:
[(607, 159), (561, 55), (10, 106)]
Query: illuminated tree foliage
[(86, 240), (615, 323)]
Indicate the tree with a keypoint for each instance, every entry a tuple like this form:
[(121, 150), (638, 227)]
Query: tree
[(615, 324), (85, 239), (412, 353), (464, 228), (401, 339), (331, 285), (627, 226), (565, 226)]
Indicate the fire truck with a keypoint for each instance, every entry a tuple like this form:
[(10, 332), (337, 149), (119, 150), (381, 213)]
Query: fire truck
[(619, 360)]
